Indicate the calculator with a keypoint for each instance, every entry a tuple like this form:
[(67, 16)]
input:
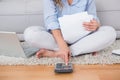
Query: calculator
[(63, 68)]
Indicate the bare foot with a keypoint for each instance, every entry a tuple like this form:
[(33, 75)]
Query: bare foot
[(94, 53), (45, 53), (39, 53)]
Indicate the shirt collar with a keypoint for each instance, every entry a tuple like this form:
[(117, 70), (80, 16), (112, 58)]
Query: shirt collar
[(74, 1)]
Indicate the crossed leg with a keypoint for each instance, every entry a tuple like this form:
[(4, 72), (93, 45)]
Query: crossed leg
[(38, 37)]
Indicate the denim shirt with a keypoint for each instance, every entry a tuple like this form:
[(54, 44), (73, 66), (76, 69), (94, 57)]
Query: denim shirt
[(53, 12)]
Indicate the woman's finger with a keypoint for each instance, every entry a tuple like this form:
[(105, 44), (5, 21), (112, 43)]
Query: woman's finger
[(86, 24), (66, 59), (69, 56), (88, 29)]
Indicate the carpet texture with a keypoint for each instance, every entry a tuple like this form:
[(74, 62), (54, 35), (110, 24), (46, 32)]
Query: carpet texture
[(103, 57)]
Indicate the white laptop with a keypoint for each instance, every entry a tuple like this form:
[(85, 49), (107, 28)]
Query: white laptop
[(10, 45)]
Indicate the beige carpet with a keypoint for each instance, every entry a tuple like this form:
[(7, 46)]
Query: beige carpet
[(103, 57)]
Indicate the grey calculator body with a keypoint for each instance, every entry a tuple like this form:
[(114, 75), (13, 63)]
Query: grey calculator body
[(62, 68)]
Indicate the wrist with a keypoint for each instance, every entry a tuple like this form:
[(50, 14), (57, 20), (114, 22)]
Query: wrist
[(63, 45)]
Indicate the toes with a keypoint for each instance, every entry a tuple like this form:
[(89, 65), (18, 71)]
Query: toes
[(39, 53), (94, 53)]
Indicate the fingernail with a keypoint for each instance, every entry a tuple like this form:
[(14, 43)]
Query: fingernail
[(66, 64)]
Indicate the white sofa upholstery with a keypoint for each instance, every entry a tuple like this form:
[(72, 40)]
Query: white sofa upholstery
[(109, 13), (16, 15)]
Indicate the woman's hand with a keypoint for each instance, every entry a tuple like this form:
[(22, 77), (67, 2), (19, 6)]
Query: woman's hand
[(64, 53), (93, 25)]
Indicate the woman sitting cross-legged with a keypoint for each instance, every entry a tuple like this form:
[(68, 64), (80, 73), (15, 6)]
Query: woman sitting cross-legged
[(49, 39)]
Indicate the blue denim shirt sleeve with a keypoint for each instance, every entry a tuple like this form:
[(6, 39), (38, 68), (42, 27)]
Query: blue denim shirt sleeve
[(91, 9), (50, 15)]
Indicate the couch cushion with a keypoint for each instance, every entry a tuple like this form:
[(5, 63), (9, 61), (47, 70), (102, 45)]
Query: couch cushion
[(10, 7), (109, 12), (16, 15), (19, 7), (111, 18), (108, 5)]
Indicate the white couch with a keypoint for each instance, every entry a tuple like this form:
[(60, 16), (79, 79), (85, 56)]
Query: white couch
[(16, 15)]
